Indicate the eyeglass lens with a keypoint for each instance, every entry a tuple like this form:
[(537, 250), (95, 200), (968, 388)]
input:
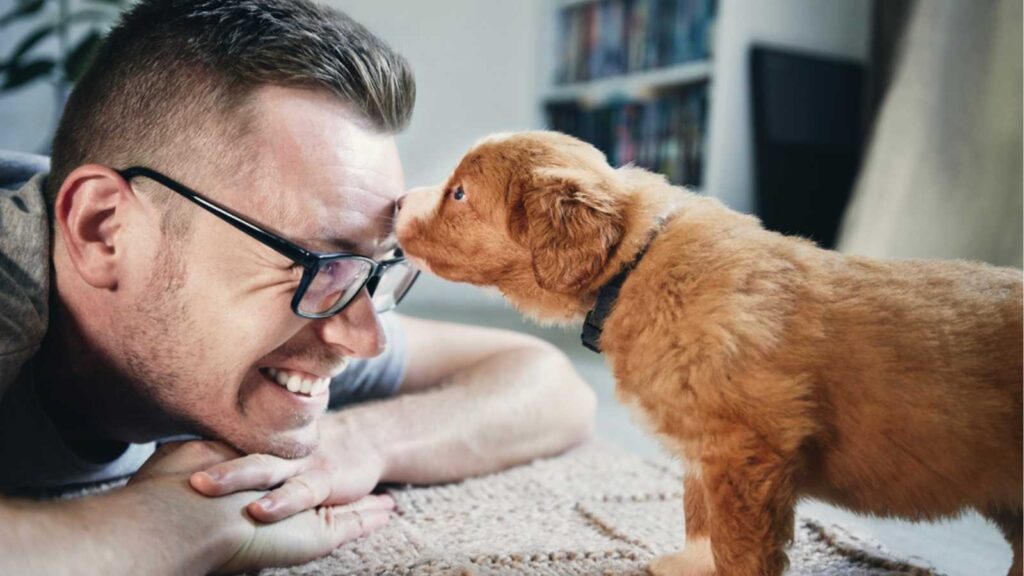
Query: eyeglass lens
[(339, 281)]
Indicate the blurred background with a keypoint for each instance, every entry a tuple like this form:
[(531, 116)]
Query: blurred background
[(890, 128)]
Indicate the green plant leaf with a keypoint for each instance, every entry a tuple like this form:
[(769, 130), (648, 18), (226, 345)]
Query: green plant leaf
[(22, 9), (80, 57), (29, 41), (20, 75), (40, 33)]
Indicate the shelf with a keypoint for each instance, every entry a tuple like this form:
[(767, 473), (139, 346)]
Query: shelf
[(634, 85)]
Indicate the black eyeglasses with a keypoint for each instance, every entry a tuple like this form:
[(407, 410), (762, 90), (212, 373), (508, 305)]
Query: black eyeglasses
[(329, 281)]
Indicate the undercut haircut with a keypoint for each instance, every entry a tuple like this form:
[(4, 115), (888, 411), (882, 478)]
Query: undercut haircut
[(169, 85)]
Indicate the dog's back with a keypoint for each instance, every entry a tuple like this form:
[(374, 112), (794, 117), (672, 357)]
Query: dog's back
[(909, 373)]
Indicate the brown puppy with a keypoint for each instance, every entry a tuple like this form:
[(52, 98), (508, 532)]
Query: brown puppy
[(776, 369)]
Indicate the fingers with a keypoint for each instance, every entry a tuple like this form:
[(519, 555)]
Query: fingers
[(252, 472), (355, 520), (309, 534), (185, 457), (305, 491), (345, 526), (299, 493)]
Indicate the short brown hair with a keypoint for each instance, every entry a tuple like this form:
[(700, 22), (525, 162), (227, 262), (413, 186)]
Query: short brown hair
[(171, 67)]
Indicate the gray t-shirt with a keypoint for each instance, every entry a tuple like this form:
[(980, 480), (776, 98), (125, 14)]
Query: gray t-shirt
[(32, 453)]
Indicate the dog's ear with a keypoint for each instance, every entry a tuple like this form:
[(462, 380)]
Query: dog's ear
[(571, 221)]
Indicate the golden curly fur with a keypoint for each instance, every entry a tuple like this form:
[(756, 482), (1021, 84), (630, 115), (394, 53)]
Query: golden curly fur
[(776, 369)]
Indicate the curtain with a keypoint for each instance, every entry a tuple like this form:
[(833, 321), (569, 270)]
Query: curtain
[(943, 174)]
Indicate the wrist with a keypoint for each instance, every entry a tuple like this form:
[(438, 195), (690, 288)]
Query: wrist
[(347, 431), (190, 536)]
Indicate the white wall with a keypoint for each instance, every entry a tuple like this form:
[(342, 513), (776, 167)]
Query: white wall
[(475, 67), (837, 28)]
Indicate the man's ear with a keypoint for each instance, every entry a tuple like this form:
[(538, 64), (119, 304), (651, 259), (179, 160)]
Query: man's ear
[(572, 224), (86, 211)]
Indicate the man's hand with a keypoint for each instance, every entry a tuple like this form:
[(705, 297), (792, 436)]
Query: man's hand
[(249, 545), (341, 471)]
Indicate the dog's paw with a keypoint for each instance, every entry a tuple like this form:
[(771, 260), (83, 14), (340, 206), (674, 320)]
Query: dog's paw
[(694, 560)]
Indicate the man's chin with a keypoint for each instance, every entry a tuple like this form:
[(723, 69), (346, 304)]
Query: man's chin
[(291, 444)]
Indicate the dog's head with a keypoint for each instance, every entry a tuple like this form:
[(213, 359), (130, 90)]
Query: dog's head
[(539, 215)]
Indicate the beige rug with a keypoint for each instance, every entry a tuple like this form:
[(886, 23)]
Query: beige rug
[(595, 510)]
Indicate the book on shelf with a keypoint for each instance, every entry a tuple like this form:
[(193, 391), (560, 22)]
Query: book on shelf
[(605, 38), (666, 134)]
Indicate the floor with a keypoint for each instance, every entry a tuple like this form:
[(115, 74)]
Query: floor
[(968, 546)]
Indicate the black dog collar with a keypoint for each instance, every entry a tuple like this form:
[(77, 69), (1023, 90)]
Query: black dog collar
[(594, 321), (606, 297)]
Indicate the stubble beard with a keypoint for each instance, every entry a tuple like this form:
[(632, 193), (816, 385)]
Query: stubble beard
[(161, 343)]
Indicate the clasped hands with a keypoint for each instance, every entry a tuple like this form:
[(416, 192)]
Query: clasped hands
[(297, 510), (336, 475)]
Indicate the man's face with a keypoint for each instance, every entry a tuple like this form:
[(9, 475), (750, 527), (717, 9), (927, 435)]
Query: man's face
[(215, 316)]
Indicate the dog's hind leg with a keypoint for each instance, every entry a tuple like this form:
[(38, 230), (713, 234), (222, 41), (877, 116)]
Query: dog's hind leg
[(1009, 522)]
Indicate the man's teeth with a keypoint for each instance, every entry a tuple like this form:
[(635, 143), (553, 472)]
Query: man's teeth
[(298, 384)]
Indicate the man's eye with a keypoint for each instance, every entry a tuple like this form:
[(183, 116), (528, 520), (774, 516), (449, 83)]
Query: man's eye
[(459, 193)]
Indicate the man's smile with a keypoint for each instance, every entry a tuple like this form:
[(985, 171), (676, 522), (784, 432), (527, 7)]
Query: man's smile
[(298, 382)]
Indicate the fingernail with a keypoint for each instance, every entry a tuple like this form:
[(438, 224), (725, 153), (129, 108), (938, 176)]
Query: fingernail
[(213, 475), (266, 504), (387, 500)]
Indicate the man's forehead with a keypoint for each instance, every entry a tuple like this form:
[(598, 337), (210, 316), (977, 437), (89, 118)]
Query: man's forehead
[(328, 181), (346, 219)]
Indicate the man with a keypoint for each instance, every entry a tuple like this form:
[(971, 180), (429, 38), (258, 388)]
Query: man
[(168, 277)]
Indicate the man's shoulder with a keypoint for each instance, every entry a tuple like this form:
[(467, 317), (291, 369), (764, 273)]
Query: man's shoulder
[(24, 275)]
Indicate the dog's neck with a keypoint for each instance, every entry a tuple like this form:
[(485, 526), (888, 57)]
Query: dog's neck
[(657, 201), (609, 293)]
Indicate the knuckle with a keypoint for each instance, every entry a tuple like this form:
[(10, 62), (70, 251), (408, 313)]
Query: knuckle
[(265, 477), (359, 526), (259, 460), (348, 524), (262, 467), (313, 494)]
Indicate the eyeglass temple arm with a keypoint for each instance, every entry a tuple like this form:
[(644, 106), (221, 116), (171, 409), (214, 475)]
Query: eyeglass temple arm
[(284, 247)]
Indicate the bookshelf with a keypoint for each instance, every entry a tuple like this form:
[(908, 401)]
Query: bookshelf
[(633, 78), (635, 85)]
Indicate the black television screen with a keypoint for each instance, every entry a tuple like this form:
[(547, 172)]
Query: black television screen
[(808, 133)]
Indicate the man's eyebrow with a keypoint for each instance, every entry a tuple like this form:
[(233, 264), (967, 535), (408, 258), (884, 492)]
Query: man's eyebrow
[(331, 244)]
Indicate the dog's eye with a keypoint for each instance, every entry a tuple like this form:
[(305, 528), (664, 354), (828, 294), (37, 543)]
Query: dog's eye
[(459, 193)]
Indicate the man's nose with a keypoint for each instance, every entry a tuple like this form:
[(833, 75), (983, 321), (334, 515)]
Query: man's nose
[(356, 330)]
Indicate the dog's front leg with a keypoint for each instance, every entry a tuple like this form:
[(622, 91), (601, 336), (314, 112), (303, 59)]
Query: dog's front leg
[(749, 491), (695, 558)]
